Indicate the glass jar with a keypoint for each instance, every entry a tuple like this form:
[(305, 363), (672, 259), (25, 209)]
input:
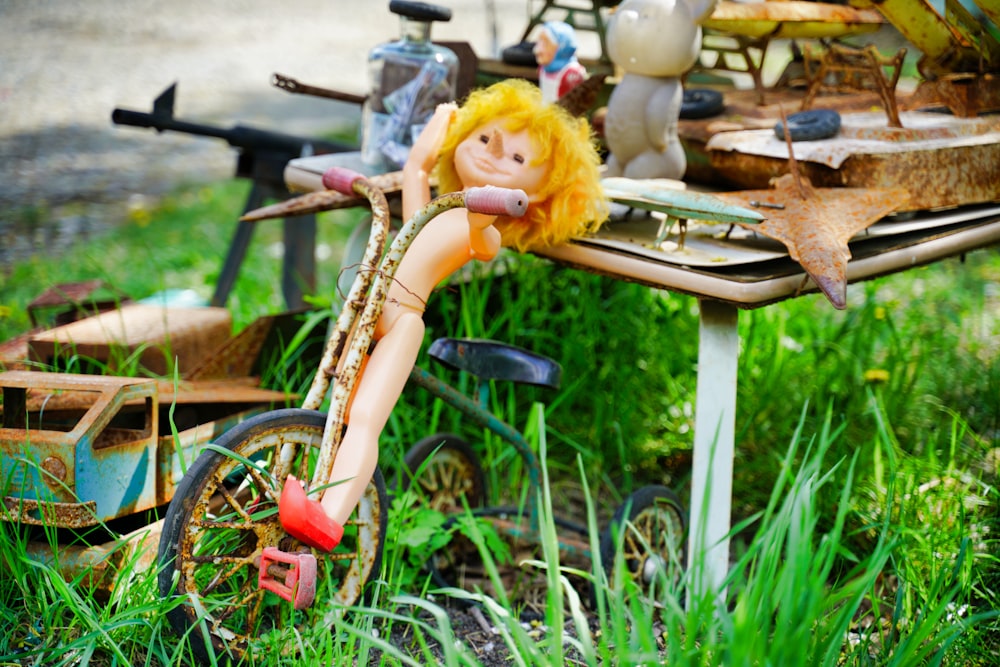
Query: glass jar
[(409, 78)]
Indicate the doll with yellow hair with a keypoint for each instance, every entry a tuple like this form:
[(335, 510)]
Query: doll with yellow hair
[(503, 136)]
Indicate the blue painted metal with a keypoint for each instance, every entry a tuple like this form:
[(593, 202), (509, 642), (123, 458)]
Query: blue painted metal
[(76, 450), (97, 466)]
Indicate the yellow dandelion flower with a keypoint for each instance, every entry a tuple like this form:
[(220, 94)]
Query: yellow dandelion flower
[(876, 375)]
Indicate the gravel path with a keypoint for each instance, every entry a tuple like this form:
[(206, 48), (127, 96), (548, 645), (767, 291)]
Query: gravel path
[(65, 65)]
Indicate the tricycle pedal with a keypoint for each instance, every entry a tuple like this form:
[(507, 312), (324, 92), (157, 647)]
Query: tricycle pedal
[(297, 582)]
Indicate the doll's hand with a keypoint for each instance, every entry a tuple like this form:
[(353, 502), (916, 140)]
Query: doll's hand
[(484, 238), (423, 156), (427, 147), (480, 221)]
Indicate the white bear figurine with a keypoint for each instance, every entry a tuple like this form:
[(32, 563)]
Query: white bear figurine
[(654, 42)]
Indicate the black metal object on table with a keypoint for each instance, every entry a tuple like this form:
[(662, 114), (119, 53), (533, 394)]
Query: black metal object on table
[(262, 157)]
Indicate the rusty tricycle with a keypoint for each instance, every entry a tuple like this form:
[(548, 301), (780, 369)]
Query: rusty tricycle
[(223, 548)]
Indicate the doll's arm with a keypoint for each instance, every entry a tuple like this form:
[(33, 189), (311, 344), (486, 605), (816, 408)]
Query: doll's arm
[(423, 156)]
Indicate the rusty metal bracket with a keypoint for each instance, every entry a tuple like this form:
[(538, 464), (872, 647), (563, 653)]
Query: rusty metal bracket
[(965, 95), (737, 53), (854, 70)]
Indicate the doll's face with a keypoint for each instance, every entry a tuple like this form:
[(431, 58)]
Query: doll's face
[(493, 155)]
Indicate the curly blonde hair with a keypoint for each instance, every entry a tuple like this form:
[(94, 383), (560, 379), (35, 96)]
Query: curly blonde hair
[(570, 202)]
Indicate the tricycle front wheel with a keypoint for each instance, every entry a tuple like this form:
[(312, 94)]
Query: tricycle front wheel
[(225, 513)]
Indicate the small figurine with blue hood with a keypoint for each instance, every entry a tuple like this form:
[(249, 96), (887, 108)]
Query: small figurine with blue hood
[(558, 69)]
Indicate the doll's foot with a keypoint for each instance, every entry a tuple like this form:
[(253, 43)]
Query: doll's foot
[(305, 520)]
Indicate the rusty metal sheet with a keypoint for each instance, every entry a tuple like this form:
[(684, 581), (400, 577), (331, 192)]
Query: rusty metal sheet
[(965, 95), (162, 338), (792, 20), (237, 357), (96, 567), (229, 390), (940, 160), (815, 224), (76, 300), (14, 352), (863, 134)]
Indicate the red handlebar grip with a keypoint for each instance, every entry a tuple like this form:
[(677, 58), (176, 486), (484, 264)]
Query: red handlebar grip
[(492, 200), (340, 179)]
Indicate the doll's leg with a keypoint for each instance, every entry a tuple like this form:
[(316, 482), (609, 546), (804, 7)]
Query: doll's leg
[(319, 524), (378, 390)]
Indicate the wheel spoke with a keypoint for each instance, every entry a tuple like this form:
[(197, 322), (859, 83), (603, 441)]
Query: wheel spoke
[(444, 469), (219, 560)]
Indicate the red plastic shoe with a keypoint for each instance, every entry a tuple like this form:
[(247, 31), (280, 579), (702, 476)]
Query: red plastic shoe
[(305, 520)]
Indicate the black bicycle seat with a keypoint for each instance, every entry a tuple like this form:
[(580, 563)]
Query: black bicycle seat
[(492, 360)]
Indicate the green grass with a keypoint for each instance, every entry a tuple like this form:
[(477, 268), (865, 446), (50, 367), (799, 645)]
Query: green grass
[(867, 446), (177, 243)]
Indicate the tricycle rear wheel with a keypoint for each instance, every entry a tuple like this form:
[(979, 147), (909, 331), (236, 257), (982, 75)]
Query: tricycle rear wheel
[(651, 527), (225, 513), (446, 473)]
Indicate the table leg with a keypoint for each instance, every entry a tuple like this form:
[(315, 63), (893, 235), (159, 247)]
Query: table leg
[(238, 246), (714, 432), (298, 271)]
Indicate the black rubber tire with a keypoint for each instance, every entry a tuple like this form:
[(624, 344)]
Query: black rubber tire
[(445, 469), (223, 515), (521, 54), (701, 103), (810, 125), (655, 537)]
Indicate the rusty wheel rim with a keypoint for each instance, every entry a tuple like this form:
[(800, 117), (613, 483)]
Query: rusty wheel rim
[(653, 545), (446, 479), (233, 516)]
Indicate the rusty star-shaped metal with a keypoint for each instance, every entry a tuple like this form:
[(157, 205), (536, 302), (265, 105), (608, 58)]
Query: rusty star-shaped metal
[(815, 224)]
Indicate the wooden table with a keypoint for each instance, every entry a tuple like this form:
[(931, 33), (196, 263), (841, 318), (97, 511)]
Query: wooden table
[(722, 291)]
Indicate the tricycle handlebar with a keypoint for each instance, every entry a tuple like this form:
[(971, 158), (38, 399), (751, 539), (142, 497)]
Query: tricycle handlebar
[(489, 200), (341, 180), (492, 200)]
